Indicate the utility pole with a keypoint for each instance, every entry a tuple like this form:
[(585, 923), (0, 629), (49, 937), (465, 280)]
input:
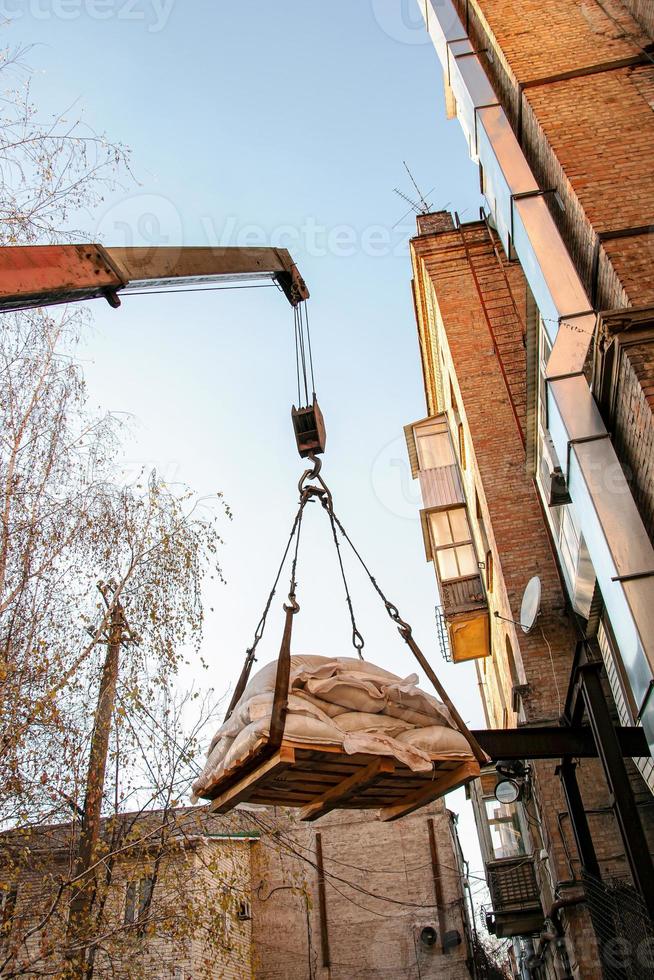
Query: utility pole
[(117, 634)]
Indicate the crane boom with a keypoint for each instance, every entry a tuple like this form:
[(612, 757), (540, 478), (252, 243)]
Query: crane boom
[(46, 275)]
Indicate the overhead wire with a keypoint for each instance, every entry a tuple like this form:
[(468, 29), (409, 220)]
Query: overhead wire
[(291, 847)]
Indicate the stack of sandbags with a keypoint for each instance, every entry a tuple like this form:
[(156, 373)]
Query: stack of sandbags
[(344, 702)]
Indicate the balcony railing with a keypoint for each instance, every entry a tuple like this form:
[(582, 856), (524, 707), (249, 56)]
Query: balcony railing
[(517, 907), (465, 611), (512, 884), (463, 595)]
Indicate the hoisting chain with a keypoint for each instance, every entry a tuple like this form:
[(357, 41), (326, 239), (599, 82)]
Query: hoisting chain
[(324, 494), (250, 656), (403, 627), (357, 640), (307, 492)]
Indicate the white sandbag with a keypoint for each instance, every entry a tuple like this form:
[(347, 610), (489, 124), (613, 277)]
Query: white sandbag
[(379, 743), (419, 719), (331, 710), (439, 742), (355, 691), (298, 728), (361, 721), (264, 680), (410, 696), (217, 752), (352, 665), (260, 706)]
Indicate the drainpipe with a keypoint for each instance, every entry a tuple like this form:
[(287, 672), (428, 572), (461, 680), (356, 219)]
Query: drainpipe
[(618, 544)]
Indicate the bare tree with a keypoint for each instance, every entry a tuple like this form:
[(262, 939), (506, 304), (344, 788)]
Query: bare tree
[(54, 169), (67, 523), (164, 844)]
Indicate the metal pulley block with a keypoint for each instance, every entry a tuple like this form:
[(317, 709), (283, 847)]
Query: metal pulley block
[(309, 427)]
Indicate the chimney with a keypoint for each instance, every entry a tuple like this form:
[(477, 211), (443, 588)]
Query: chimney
[(431, 224)]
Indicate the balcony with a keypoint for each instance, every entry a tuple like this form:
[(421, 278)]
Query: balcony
[(517, 909), (466, 613), (463, 595), (448, 541)]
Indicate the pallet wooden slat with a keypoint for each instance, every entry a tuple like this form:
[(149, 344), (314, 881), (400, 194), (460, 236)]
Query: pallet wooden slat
[(241, 791), (357, 783), (453, 779), (320, 778)]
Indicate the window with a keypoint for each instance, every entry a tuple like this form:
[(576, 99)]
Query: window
[(507, 838), (138, 896), (575, 561), (489, 571), (615, 671), (452, 544), (453, 401), (501, 707), (513, 670), (545, 349), (130, 902), (462, 446), (8, 896), (434, 445)]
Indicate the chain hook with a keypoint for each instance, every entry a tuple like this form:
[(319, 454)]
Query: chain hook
[(293, 605), (392, 610), (312, 474)]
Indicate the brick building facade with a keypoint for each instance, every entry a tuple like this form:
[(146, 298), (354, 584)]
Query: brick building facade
[(535, 460), (251, 894)]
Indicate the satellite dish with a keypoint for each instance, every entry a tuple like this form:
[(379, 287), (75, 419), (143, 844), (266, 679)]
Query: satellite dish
[(530, 607)]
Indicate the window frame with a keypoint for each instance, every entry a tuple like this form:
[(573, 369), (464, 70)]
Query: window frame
[(422, 432), (138, 901), (468, 542)]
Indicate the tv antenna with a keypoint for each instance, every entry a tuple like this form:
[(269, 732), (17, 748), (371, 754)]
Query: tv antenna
[(420, 206)]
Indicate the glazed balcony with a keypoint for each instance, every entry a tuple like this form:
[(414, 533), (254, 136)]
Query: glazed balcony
[(448, 539)]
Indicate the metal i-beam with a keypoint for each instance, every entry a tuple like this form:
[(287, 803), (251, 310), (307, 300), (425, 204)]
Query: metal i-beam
[(624, 804), (578, 819), (556, 742), (47, 275)]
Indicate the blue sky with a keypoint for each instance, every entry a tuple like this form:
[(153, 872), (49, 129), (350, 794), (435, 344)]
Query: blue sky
[(285, 123)]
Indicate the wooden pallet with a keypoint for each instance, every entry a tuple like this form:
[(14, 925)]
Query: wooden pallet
[(320, 778)]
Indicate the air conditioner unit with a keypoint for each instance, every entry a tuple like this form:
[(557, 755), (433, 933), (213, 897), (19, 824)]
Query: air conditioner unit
[(551, 475), (558, 488), (244, 913)]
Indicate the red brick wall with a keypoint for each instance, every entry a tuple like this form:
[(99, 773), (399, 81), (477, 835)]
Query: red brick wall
[(485, 378), (590, 137)]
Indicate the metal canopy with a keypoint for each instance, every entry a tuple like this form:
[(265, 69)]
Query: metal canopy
[(45, 275)]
